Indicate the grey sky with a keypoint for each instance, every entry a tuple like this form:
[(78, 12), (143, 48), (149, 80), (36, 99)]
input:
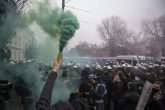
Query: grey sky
[(132, 11)]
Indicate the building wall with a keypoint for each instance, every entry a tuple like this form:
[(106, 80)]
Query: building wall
[(18, 45)]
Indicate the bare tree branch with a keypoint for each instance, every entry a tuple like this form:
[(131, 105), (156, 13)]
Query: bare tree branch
[(114, 32), (156, 29)]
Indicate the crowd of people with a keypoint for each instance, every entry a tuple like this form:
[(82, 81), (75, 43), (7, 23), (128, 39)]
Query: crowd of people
[(111, 86), (118, 87)]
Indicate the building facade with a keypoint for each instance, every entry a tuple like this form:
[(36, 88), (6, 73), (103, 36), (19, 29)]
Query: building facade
[(20, 43)]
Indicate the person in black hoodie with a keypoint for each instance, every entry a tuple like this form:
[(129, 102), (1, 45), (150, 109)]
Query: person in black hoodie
[(44, 102), (157, 98), (116, 89), (130, 99), (82, 100)]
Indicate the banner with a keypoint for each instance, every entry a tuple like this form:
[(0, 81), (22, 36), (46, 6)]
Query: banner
[(144, 96)]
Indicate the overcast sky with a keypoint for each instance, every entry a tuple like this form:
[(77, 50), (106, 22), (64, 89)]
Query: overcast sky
[(132, 11)]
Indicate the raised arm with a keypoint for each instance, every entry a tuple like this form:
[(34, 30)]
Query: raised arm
[(45, 98)]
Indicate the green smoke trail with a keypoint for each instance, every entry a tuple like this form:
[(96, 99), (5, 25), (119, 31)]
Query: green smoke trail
[(45, 17), (68, 25), (51, 20), (54, 22), (8, 17), (47, 50)]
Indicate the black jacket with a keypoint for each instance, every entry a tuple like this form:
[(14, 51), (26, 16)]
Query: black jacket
[(78, 103), (156, 105), (129, 101), (45, 98)]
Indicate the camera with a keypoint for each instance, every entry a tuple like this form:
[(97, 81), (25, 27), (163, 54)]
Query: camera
[(5, 89)]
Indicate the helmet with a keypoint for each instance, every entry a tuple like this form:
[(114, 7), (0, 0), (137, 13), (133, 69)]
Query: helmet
[(75, 66), (124, 65), (143, 67), (92, 76), (106, 64), (109, 67), (156, 65), (122, 61), (150, 66), (69, 64), (136, 67), (87, 66), (29, 61), (98, 67), (114, 66), (129, 66), (163, 66), (118, 66)]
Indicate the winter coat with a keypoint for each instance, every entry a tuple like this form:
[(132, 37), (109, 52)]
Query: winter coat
[(78, 102), (129, 101), (156, 105), (45, 98)]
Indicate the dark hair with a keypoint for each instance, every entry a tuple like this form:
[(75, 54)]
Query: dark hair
[(61, 105), (120, 74), (162, 86)]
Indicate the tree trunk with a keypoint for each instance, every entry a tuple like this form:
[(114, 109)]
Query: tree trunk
[(162, 43), (163, 49)]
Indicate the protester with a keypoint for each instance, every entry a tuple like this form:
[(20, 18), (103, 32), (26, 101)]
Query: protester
[(83, 99), (24, 92), (109, 87), (116, 87), (130, 99), (157, 98), (99, 91), (45, 98)]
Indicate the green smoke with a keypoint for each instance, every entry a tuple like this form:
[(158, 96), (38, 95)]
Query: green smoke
[(47, 50), (68, 25), (8, 19), (54, 22), (45, 17), (51, 20)]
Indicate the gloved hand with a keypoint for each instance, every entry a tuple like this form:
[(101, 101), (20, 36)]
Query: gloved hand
[(56, 66)]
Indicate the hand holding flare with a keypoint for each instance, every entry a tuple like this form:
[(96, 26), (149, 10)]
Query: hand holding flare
[(57, 62)]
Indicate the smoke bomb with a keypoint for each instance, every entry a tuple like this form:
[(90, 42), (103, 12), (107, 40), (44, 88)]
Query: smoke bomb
[(58, 59)]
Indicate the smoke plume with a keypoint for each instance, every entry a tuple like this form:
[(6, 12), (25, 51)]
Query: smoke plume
[(68, 25), (55, 22)]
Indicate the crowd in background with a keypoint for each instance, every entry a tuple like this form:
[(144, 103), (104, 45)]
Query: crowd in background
[(110, 86), (118, 87)]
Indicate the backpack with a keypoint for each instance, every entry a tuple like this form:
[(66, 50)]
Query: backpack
[(100, 90)]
